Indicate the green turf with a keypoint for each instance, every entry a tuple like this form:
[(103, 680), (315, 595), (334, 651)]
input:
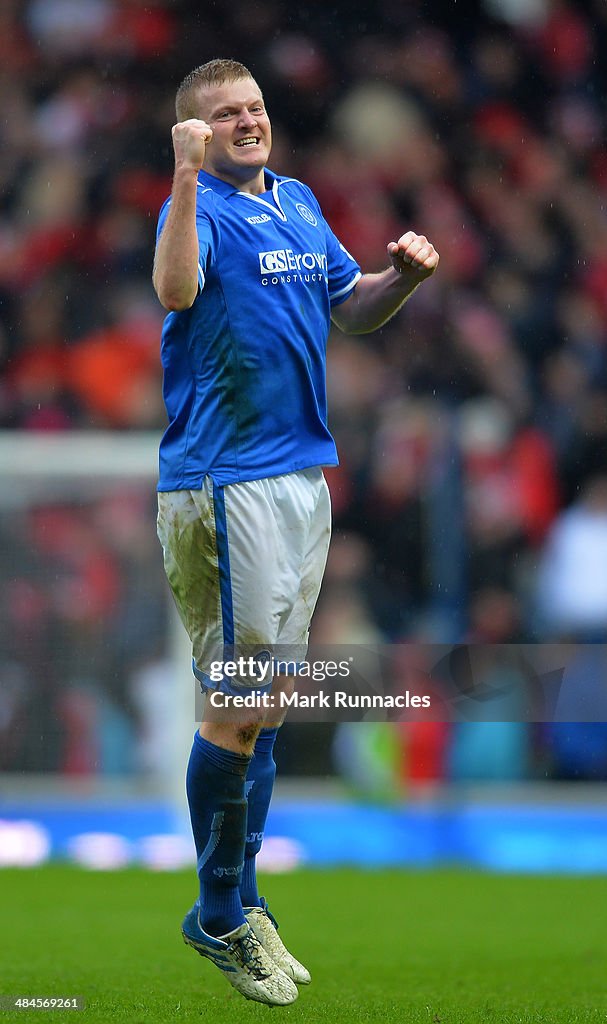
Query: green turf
[(437, 948)]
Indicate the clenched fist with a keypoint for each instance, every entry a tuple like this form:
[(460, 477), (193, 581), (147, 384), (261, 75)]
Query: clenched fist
[(190, 140), (413, 253)]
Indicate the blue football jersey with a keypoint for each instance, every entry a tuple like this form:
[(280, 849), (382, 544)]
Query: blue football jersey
[(244, 367)]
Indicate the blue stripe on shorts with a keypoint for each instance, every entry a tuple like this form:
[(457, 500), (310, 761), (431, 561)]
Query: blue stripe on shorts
[(223, 557)]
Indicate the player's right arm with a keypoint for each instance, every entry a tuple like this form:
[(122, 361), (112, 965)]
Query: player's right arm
[(175, 273)]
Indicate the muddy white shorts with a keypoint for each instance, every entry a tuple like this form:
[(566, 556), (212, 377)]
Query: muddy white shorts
[(245, 563)]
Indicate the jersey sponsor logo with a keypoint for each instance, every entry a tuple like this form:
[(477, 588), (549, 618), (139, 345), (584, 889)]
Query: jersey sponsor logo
[(279, 261), (259, 218), (306, 213)]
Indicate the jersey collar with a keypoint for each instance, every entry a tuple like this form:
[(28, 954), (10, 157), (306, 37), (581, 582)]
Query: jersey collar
[(223, 188)]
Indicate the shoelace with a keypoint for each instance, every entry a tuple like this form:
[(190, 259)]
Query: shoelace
[(248, 952), (271, 916)]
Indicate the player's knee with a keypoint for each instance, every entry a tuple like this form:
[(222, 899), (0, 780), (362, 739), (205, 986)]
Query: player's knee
[(237, 733), (247, 733), (283, 684)]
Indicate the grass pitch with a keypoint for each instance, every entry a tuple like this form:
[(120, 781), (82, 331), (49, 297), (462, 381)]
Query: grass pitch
[(447, 947)]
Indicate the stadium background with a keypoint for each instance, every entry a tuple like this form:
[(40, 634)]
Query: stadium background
[(471, 500)]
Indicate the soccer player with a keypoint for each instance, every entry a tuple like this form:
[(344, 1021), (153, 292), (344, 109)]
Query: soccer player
[(252, 276)]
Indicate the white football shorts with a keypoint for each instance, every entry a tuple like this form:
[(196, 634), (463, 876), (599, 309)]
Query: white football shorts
[(245, 563)]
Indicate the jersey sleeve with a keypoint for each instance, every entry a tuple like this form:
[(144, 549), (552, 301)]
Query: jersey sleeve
[(204, 229), (343, 270)]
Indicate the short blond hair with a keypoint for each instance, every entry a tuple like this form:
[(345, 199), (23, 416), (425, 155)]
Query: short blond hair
[(214, 72)]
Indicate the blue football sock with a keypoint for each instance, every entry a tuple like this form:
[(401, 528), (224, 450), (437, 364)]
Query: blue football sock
[(215, 785), (258, 789)]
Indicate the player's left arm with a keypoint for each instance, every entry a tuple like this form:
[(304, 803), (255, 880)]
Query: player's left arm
[(377, 297)]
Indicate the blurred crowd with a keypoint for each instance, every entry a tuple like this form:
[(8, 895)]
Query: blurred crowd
[(85, 684), (471, 500)]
